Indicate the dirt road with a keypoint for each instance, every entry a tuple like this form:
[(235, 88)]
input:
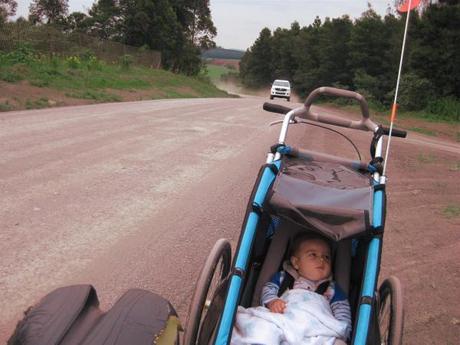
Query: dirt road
[(135, 195)]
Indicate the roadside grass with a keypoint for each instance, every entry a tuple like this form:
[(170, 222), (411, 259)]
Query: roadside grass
[(5, 106), (93, 79), (455, 166), (39, 103), (406, 119), (424, 131), (426, 158), (451, 211), (100, 96)]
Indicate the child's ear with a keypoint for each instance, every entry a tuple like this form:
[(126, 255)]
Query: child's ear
[(294, 262)]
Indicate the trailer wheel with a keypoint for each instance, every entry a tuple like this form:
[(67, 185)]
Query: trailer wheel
[(209, 284), (391, 312)]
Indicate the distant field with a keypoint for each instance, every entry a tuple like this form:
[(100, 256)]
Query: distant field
[(225, 62), (216, 68), (216, 71)]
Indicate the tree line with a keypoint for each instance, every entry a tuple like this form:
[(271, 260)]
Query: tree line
[(179, 29), (363, 55)]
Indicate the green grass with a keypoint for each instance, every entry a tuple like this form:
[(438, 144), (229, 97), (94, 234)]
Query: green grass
[(455, 166), (443, 110), (424, 131), (39, 103), (426, 158), (215, 72), (90, 78), (6, 106), (100, 96), (451, 211)]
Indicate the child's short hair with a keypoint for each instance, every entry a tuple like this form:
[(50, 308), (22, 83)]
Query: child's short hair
[(304, 236)]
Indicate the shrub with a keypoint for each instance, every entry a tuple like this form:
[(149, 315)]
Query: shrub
[(23, 54), (126, 61), (86, 55), (93, 63), (55, 61), (73, 62), (367, 85), (447, 108), (6, 106), (414, 92)]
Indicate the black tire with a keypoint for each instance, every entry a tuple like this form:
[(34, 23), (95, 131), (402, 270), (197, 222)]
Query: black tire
[(391, 312), (271, 97), (289, 99), (213, 273)]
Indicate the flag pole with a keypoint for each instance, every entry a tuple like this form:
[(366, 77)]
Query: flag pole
[(394, 107)]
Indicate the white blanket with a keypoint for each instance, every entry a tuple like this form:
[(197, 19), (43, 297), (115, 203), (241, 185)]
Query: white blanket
[(307, 320)]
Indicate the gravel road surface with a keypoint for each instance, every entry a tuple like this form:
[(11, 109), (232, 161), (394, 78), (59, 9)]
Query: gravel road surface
[(135, 195)]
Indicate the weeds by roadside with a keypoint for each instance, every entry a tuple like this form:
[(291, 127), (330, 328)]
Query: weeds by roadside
[(424, 131), (426, 158), (455, 167), (6, 106), (451, 211), (99, 96), (40, 103), (84, 76)]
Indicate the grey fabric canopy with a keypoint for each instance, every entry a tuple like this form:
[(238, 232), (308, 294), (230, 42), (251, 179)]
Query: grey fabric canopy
[(323, 196)]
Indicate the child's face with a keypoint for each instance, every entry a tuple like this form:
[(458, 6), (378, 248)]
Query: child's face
[(313, 260)]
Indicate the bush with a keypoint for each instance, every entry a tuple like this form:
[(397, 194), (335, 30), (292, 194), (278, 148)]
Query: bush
[(86, 55), (447, 108), (367, 85), (414, 92), (73, 62), (126, 61), (23, 54)]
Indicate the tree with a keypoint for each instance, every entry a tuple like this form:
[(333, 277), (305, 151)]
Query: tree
[(51, 11), (307, 56), (371, 47), (177, 28), (256, 65), (195, 18), (436, 55), (333, 52), (104, 20), (154, 23), (7, 9), (283, 50), (77, 21), (449, 2)]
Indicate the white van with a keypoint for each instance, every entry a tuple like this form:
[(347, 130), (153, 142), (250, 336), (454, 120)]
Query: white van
[(281, 88)]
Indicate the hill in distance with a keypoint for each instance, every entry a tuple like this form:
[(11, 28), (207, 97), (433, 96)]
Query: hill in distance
[(222, 53)]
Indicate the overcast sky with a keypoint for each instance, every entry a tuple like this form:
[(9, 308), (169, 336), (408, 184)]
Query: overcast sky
[(239, 22)]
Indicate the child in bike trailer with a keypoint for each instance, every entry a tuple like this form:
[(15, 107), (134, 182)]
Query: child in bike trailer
[(309, 268)]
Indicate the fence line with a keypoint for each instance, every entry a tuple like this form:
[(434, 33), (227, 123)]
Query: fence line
[(50, 40)]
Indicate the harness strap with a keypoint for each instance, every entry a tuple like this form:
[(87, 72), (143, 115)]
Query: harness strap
[(288, 283)]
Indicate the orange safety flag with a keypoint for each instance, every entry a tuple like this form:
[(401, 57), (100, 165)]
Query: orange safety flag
[(394, 110), (404, 6)]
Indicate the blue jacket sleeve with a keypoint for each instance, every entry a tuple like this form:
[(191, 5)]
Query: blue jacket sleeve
[(271, 288)]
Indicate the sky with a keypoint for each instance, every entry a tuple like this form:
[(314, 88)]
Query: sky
[(239, 22)]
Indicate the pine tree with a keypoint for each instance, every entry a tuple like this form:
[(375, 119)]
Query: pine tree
[(51, 11)]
